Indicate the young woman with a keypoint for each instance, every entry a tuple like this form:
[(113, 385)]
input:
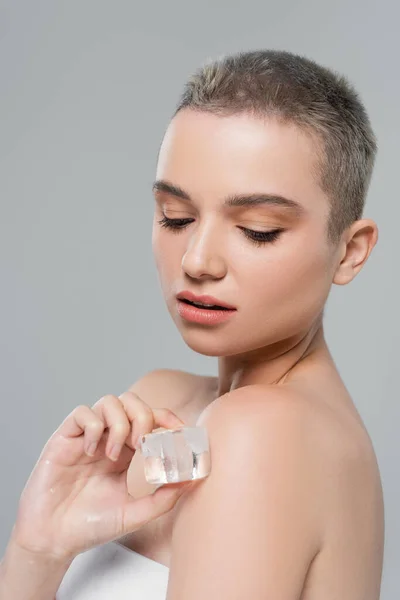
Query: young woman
[(261, 181)]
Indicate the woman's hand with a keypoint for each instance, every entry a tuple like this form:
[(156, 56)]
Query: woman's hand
[(73, 501)]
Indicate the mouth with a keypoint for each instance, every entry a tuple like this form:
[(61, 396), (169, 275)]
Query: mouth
[(204, 312), (204, 301), (201, 305)]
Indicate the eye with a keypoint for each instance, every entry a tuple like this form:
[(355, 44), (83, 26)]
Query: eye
[(257, 237), (174, 224), (262, 237)]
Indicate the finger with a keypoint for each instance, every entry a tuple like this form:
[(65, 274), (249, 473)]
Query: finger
[(82, 420), (145, 418), (139, 414), (143, 510), (164, 417), (111, 410)]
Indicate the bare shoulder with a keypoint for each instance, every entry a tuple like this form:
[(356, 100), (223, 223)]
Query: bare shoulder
[(260, 504), (261, 408), (331, 449), (171, 388), (309, 469), (269, 438), (336, 432), (274, 419)]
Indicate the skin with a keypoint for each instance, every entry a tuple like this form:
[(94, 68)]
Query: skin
[(273, 349)]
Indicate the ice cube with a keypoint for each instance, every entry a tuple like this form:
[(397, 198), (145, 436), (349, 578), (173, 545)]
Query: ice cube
[(174, 455)]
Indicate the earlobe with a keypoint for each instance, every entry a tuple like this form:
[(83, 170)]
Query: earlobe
[(359, 245), (351, 265), (345, 269), (344, 274)]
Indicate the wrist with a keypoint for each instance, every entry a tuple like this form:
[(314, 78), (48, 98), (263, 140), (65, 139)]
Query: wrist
[(34, 553), (16, 552), (28, 575)]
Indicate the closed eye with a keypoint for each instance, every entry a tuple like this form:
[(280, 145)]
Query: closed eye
[(261, 237), (258, 237)]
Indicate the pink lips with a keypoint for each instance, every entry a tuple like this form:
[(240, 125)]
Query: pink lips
[(203, 315), (187, 295)]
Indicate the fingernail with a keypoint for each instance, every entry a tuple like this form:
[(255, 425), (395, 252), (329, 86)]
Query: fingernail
[(115, 450), (91, 449)]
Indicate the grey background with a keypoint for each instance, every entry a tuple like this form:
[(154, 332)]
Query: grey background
[(87, 88)]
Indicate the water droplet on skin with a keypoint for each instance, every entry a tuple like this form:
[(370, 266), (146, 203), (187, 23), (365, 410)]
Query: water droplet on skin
[(93, 518)]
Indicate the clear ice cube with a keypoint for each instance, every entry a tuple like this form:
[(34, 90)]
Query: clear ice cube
[(174, 455)]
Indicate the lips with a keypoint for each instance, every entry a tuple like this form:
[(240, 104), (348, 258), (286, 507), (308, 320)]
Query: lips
[(204, 299)]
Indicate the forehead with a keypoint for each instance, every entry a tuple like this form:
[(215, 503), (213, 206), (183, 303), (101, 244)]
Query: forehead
[(211, 157)]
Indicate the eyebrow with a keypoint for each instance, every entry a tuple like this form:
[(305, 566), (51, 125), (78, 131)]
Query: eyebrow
[(235, 200)]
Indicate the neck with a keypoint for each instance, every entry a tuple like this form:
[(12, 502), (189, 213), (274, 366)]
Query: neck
[(272, 364)]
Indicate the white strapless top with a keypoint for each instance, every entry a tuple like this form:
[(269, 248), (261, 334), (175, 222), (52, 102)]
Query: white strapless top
[(113, 571)]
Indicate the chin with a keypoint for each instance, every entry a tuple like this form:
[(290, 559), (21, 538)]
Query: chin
[(207, 352), (205, 349), (210, 342)]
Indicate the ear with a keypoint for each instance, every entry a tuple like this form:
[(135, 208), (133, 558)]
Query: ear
[(354, 251)]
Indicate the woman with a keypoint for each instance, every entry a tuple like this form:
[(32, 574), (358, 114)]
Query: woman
[(261, 181)]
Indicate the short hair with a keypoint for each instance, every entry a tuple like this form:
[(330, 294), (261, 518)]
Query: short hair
[(295, 89)]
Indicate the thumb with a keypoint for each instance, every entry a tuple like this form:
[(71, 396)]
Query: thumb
[(143, 510)]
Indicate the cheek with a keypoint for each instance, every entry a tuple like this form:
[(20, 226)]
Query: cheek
[(166, 252), (286, 275)]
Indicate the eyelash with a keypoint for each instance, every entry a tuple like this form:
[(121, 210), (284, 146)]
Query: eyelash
[(257, 237)]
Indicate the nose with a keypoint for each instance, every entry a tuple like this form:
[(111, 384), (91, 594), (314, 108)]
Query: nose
[(203, 258)]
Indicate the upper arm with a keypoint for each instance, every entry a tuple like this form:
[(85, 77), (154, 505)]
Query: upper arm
[(253, 526)]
